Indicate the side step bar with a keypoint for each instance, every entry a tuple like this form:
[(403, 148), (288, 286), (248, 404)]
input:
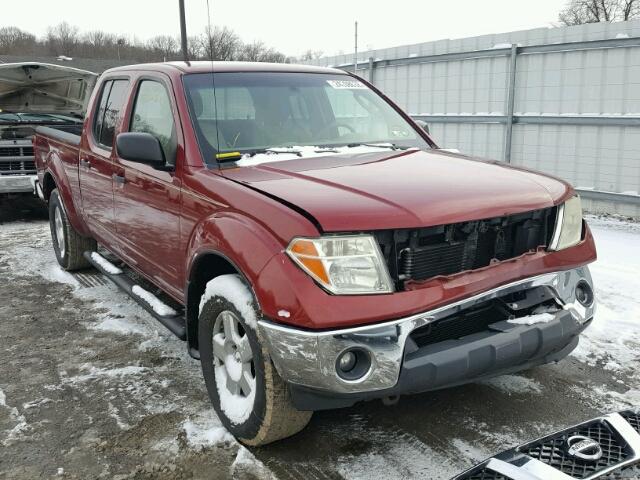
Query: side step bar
[(173, 321)]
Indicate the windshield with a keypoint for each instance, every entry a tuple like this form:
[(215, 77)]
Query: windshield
[(253, 112)]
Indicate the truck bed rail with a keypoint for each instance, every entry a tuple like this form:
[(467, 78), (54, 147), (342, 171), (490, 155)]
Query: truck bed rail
[(59, 135)]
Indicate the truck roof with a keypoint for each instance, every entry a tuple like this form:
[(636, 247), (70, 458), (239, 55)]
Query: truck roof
[(204, 66)]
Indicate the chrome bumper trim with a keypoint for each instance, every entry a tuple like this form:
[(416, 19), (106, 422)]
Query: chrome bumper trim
[(307, 358), (17, 183)]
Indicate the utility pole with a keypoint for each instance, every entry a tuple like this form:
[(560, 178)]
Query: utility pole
[(355, 56), (183, 32)]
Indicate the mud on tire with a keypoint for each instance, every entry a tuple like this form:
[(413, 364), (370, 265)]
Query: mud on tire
[(68, 244), (249, 396)]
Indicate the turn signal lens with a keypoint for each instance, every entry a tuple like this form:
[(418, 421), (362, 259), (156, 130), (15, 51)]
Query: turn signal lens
[(306, 254)]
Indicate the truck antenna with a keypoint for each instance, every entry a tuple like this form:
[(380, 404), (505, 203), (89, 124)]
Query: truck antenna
[(183, 33)]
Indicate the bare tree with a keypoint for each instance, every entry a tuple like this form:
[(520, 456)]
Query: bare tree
[(62, 39), (14, 40), (195, 48), (578, 12), (220, 43), (310, 55), (164, 45)]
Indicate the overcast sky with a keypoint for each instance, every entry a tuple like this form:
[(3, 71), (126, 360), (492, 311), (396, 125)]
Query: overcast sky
[(294, 26)]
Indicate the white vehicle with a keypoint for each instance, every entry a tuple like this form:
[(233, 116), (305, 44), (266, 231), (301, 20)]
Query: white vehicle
[(31, 95)]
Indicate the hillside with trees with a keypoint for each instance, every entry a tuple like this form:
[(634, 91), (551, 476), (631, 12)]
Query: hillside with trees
[(219, 43)]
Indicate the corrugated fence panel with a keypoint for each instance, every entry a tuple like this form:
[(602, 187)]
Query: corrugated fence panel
[(576, 105)]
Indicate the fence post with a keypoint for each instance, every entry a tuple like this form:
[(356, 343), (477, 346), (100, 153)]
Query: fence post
[(371, 67), (508, 131)]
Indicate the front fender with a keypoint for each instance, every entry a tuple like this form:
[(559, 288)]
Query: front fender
[(242, 241)]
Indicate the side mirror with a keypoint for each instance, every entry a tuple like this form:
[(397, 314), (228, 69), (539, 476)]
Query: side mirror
[(422, 124), (141, 148)]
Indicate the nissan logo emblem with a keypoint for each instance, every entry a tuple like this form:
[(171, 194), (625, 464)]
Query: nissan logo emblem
[(584, 448)]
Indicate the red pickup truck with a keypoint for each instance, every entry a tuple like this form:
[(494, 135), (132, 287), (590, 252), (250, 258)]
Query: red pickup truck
[(309, 240)]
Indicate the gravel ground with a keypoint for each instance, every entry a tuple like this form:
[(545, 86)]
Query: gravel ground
[(92, 387)]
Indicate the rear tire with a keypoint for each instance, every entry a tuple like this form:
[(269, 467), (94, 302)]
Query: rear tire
[(68, 244), (250, 398)]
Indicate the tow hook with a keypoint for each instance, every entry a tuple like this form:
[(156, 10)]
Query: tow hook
[(390, 401)]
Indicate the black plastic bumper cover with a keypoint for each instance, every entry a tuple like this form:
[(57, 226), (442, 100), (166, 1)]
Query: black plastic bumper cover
[(505, 348)]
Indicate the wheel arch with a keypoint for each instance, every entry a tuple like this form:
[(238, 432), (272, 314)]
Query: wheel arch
[(48, 185), (207, 265)]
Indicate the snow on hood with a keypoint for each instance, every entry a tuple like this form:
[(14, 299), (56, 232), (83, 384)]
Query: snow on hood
[(292, 153), (44, 88)]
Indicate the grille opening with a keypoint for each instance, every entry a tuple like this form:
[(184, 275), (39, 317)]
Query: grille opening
[(553, 451), (479, 318), (633, 418), (420, 254), (17, 160), (483, 474)]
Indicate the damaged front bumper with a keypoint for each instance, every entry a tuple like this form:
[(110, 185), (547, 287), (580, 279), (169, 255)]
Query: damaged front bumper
[(423, 352)]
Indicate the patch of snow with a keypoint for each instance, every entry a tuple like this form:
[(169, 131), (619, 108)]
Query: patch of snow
[(119, 325), (232, 288), (96, 373), (514, 384), (114, 413), (246, 465), (21, 425), (206, 431), (156, 304), (284, 313), (613, 338), (532, 319), (105, 264), (36, 403), (472, 452), (296, 152), (60, 472), (622, 35)]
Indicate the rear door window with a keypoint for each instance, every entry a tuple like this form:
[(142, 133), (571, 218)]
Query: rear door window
[(109, 111)]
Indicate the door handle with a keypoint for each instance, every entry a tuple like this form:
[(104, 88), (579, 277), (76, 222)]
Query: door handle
[(85, 163), (119, 179)]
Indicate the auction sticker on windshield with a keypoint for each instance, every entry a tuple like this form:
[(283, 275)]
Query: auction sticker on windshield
[(346, 84)]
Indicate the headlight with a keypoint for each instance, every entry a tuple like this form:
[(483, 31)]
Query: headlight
[(568, 230), (344, 265)]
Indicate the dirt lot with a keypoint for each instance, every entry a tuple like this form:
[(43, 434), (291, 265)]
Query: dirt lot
[(92, 387)]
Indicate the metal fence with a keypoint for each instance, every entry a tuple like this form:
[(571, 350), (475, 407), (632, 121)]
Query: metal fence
[(564, 100)]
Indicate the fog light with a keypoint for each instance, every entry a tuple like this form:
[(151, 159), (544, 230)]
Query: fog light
[(353, 364), (584, 293), (347, 361)]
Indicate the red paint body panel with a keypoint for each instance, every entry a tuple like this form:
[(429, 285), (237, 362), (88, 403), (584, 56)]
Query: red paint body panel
[(160, 222), (414, 189)]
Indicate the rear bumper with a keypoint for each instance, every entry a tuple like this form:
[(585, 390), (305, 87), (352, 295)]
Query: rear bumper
[(18, 183), (307, 360)]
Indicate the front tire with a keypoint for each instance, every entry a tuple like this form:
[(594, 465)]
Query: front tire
[(68, 244), (249, 396)]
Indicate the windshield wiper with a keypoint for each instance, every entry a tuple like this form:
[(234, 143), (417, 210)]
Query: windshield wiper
[(389, 146)]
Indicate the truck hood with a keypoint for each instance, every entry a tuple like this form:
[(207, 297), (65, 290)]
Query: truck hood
[(44, 88), (406, 189)]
